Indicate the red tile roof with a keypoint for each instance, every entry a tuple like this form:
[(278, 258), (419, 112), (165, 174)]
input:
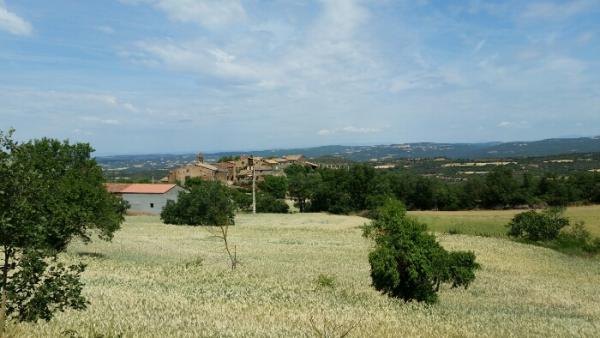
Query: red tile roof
[(115, 187), (137, 188)]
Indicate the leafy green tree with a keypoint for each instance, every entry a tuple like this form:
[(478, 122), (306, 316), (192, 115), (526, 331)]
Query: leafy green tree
[(538, 226), (269, 204), (407, 262), (472, 193), (276, 186), (207, 203), (50, 193), (501, 186), (555, 190), (302, 185), (242, 198), (332, 194), (361, 184)]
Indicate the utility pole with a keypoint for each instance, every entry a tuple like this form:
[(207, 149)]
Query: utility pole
[(253, 186)]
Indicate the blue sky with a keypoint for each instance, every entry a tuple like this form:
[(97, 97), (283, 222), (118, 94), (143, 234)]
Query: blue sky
[(147, 76)]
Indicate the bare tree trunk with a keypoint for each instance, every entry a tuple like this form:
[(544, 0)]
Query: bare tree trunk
[(232, 257), (4, 301), (253, 187)]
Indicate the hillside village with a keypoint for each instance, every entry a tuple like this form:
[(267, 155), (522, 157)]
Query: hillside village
[(145, 198), (237, 171)]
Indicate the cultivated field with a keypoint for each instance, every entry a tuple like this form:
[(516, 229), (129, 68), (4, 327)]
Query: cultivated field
[(156, 280), (493, 222)]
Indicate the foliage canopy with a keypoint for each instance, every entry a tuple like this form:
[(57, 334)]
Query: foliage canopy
[(50, 193), (538, 226), (207, 203), (407, 262)]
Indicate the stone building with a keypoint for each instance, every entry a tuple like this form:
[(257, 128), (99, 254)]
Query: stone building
[(200, 169)]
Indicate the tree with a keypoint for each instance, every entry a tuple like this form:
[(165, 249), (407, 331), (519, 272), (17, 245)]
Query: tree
[(50, 193), (538, 226), (267, 203), (276, 186), (361, 180), (208, 203), (407, 262), (501, 187), (302, 184)]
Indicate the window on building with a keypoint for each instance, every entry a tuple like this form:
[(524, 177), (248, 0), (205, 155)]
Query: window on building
[(151, 205)]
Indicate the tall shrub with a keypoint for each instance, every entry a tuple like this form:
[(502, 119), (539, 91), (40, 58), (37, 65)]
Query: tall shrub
[(407, 262), (538, 226)]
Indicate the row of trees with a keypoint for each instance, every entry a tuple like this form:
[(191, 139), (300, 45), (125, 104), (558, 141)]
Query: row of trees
[(362, 187)]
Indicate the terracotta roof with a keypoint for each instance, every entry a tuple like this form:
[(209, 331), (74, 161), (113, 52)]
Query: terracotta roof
[(137, 188), (271, 161), (116, 187)]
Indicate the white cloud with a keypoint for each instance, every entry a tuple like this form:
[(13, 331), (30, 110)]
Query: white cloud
[(105, 29), (201, 57), (208, 13), (479, 46), (329, 53), (585, 37), (94, 119), (553, 10), (349, 130), (12, 23), (516, 125), (359, 130)]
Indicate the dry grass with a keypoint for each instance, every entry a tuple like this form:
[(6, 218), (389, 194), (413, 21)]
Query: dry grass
[(149, 282)]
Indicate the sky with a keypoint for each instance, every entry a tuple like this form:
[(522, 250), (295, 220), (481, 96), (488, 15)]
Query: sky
[(176, 76)]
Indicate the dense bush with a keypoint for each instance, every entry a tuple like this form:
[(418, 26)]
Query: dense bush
[(538, 226), (242, 199), (206, 203), (275, 186), (269, 204), (578, 240), (408, 262)]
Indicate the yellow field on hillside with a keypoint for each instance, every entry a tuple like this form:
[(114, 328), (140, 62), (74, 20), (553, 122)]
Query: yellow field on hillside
[(156, 280), (493, 222)]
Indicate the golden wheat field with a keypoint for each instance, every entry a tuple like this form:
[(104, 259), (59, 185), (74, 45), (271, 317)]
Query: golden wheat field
[(155, 280)]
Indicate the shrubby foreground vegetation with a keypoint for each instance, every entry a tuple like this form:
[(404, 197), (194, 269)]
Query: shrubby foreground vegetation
[(408, 262)]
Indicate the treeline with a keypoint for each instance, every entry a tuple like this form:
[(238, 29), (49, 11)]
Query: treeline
[(361, 187)]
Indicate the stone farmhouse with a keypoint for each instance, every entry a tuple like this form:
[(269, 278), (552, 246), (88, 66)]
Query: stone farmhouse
[(145, 198), (236, 172)]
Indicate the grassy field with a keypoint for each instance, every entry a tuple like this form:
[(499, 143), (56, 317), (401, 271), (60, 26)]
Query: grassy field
[(156, 280), (493, 222)]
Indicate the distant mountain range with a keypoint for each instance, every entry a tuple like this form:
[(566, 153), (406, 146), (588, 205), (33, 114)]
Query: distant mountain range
[(547, 147)]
